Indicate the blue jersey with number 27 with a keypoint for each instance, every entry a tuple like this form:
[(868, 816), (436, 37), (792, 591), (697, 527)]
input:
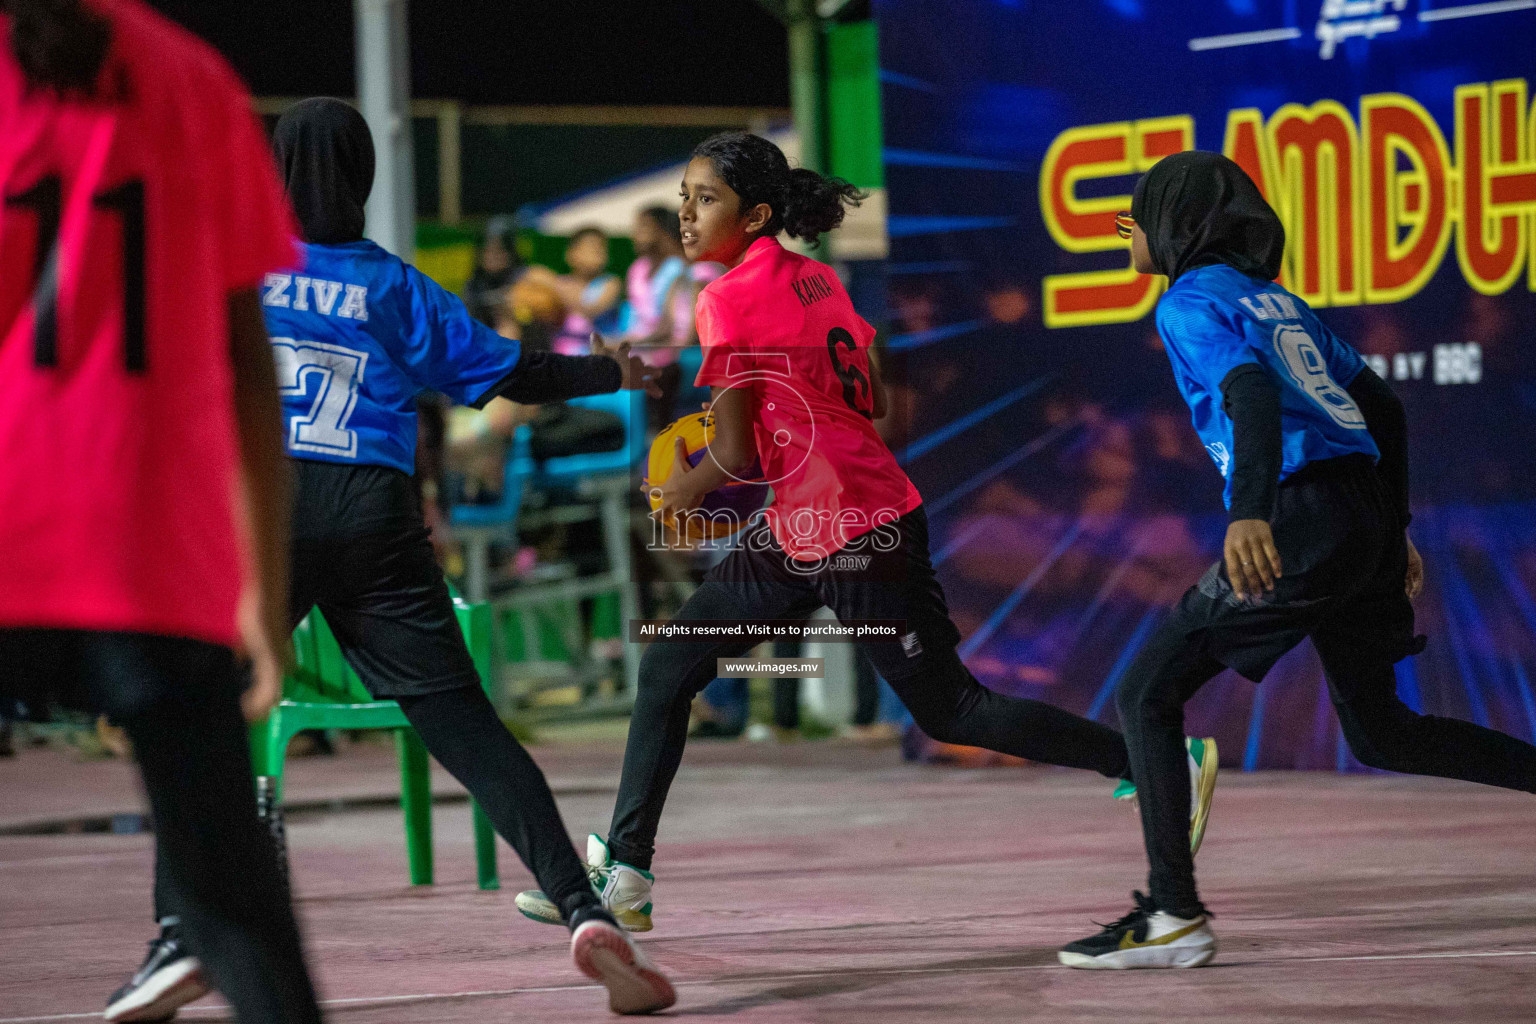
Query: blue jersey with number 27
[(357, 334), (1215, 319)]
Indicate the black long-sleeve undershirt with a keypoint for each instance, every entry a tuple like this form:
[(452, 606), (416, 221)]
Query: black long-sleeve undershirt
[(550, 377), (1388, 424), (1252, 400)]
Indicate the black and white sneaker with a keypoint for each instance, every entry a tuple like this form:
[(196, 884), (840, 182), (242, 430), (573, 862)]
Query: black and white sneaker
[(1146, 937), (169, 979)]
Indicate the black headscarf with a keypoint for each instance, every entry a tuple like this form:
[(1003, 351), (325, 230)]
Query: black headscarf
[(486, 292), (1201, 208), (325, 155)]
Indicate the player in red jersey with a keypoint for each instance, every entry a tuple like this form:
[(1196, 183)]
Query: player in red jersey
[(787, 360), (141, 469)]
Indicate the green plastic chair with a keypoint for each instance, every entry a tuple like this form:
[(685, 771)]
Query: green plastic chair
[(324, 693)]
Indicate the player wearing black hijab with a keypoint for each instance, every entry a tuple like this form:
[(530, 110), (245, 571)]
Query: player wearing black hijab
[(356, 335), (1313, 446)]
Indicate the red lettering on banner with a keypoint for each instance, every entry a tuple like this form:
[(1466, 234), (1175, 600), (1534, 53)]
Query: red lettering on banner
[(1490, 126), (1088, 225), (1314, 150), (1399, 262), (1369, 211)]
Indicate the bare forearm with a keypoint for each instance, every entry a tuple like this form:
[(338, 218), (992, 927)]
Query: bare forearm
[(733, 449), (264, 473), (708, 475)]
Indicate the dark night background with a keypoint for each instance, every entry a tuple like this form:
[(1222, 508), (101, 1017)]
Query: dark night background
[(694, 52)]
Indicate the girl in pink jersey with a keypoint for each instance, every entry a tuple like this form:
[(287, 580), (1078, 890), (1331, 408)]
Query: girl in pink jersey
[(138, 411), (786, 358)]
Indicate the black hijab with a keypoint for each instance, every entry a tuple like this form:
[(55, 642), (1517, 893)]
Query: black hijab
[(325, 155), (1201, 208), (485, 292)]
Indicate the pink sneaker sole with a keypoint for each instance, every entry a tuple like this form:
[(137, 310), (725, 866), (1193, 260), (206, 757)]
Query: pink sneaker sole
[(602, 953)]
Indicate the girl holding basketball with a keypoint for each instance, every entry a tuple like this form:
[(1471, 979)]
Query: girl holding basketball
[(786, 359)]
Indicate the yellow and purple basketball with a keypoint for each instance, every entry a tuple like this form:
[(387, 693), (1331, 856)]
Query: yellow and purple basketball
[(728, 507)]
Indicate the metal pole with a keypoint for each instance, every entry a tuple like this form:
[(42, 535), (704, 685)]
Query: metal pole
[(384, 94), (449, 175), (807, 82)]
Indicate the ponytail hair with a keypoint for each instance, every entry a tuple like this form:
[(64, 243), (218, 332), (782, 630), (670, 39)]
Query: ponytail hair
[(60, 44), (805, 204)]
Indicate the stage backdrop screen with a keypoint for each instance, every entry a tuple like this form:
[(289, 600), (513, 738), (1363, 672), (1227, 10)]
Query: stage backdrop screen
[(1071, 499)]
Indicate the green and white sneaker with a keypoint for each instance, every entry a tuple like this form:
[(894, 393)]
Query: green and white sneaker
[(624, 890), (1202, 787)]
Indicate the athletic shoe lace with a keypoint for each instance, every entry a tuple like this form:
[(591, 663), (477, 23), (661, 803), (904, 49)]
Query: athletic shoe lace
[(1145, 908)]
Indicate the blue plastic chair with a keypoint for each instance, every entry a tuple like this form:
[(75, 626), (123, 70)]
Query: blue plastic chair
[(628, 406), (688, 397), (480, 526), (608, 477)]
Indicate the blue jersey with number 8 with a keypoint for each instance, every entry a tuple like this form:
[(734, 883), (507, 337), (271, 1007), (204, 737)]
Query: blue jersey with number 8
[(1215, 319), (357, 334)]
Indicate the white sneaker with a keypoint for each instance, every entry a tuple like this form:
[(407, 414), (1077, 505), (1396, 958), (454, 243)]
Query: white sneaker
[(624, 890), (605, 954), (1145, 937)]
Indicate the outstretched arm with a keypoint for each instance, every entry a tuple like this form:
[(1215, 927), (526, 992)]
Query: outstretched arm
[(549, 377), (450, 351)]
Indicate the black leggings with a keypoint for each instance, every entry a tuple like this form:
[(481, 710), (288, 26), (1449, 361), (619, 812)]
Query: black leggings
[(178, 701), (1382, 731), (926, 672), (361, 555), (461, 729), (1346, 562)]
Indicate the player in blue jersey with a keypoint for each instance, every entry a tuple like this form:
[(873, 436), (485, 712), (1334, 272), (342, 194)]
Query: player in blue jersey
[(356, 335), (1312, 445)]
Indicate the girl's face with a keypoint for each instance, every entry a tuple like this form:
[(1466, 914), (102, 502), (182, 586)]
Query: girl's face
[(494, 257), (715, 228), (645, 235), (588, 255)]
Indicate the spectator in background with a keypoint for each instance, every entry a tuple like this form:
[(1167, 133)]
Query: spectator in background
[(684, 297), (591, 295), (658, 264), (497, 268), (648, 314)]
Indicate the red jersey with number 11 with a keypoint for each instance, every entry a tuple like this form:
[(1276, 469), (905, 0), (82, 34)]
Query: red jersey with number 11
[(127, 220), (783, 325)]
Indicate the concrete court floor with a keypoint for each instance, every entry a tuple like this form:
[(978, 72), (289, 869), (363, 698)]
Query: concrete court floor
[(830, 883)]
